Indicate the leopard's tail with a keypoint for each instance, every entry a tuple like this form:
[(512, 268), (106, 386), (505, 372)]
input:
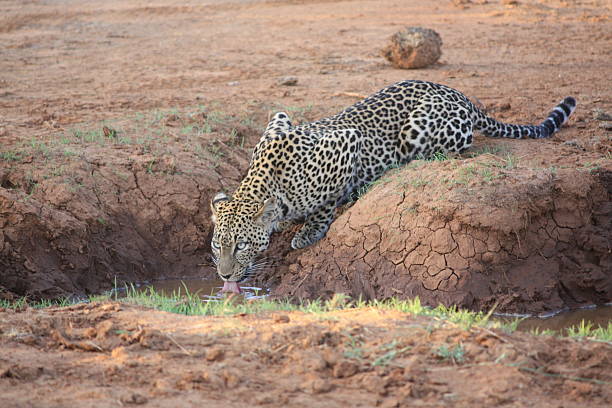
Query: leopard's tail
[(556, 118)]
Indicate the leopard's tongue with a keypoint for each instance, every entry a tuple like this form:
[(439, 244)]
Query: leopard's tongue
[(231, 287)]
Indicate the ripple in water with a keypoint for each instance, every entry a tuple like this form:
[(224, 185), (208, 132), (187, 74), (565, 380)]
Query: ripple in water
[(206, 289)]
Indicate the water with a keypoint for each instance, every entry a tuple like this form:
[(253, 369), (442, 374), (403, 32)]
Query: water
[(598, 316), (206, 289)]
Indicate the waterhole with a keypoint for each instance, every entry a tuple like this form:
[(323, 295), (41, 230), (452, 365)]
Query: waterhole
[(205, 289), (560, 321)]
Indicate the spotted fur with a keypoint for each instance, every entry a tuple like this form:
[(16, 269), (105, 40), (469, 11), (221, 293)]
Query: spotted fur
[(304, 172)]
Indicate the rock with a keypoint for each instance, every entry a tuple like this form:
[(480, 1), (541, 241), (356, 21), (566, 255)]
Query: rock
[(281, 318), (288, 81), (345, 369), (599, 114), (317, 386), (606, 125), (215, 354), (414, 47), (135, 398)]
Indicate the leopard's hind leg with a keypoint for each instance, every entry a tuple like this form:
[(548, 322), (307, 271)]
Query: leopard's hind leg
[(435, 125)]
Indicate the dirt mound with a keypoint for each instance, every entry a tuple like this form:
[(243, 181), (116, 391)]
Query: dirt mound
[(518, 231), (99, 354)]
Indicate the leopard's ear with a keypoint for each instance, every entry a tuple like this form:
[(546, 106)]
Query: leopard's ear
[(214, 202), (267, 213)]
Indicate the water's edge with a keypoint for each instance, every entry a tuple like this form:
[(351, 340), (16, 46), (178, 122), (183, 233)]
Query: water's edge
[(557, 321)]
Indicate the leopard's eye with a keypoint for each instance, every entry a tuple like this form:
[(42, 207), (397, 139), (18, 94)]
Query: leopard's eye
[(215, 245), (241, 245)]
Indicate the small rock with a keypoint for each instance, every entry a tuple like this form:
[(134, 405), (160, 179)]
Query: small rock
[(231, 378), (103, 328), (414, 47), (263, 399), (164, 385), (135, 398), (110, 308), (281, 319), (214, 354), (375, 384), (574, 143), (317, 386), (288, 81), (504, 107), (344, 369), (606, 126), (599, 114), (233, 83)]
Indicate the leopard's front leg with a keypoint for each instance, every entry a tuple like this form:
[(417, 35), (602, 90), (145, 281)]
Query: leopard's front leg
[(315, 227), (285, 225)]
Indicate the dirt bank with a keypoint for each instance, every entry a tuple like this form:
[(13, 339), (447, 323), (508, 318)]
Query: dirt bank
[(104, 355), (119, 120), (506, 229)]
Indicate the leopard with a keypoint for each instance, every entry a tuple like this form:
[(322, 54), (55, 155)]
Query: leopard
[(302, 173)]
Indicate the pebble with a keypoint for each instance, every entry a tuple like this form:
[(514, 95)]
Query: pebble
[(281, 319), (599, 114), (288, 81), (214, 354)]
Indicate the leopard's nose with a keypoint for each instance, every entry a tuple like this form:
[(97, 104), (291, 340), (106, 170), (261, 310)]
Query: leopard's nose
[(225, 277)]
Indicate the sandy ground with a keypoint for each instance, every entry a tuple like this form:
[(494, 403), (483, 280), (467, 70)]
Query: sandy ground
[(108, 355)]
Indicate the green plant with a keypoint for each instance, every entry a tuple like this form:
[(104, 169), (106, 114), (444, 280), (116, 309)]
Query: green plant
[(353, 349), (391, 352), (10, 155), (455, 354), (438, 156), (584, 329)]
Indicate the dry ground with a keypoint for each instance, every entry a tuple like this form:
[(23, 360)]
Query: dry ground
[(188, 86), (108, 355)]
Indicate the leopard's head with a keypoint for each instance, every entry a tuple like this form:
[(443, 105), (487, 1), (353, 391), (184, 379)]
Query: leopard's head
[(242, 232)]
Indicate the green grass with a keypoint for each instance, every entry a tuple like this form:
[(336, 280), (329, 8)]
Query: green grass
[(453, 354), (10, 155), (391, 351), (187, 303), (587, 329)]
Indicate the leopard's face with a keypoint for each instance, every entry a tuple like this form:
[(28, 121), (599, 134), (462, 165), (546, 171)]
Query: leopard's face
[(240, 236)]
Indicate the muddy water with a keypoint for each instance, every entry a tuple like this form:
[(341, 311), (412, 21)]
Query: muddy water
[(597, 316), (206, 289)]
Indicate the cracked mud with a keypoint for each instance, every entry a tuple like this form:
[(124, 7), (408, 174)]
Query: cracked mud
[(525, 239)]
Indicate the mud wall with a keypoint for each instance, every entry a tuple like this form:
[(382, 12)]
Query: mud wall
[(473, 233), (107, 214)]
